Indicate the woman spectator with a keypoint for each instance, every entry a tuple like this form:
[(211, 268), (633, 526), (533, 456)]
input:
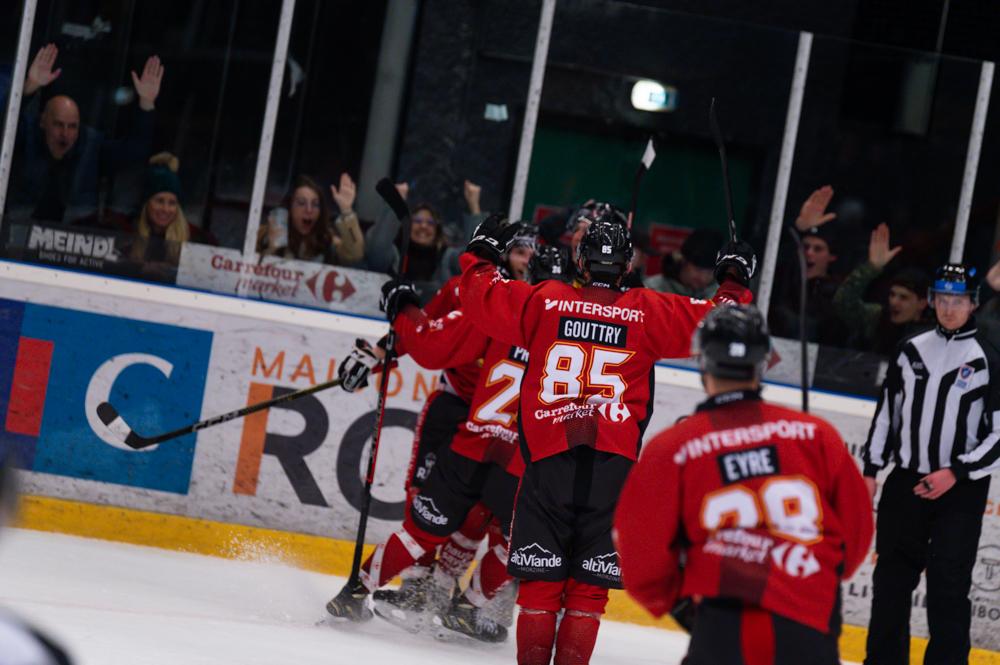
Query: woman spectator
[(430, 260), (300, 228), (162, 229)]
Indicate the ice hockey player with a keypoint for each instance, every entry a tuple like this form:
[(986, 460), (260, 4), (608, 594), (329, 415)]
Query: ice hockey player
[(585, 401), (755, 511), (482, 462)]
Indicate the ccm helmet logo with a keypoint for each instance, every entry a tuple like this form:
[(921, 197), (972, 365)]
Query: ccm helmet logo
[(737, 350)]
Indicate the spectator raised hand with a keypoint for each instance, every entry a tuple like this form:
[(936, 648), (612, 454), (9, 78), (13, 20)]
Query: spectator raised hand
[(403, 189), (993, 277), (472, 192), (813, 211), (40, 73), (879, 253), (147, 87), (345, 195)]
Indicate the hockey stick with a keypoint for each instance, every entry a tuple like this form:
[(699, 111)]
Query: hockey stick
[(112, 419), (804, 350), (648, 155), (391, 196), (713, 122)]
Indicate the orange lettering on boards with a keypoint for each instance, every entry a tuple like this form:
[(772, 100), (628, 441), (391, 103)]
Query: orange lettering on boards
[(277, 365), (305, 368), (331, 369), (398, 376)]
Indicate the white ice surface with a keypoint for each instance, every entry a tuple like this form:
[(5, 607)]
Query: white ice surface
[(110, 603)]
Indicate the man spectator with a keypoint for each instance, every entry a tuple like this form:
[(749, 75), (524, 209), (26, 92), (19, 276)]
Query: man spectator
[(819, 242), (938, 420), (880, 327), (58, 162), (691, 271), (763, 502)]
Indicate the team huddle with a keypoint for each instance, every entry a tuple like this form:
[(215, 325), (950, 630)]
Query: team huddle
[(741, 520)]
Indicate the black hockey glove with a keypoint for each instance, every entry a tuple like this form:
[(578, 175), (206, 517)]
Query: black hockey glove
[(354, 369), (396, 294), (491, 237), (736, 261)]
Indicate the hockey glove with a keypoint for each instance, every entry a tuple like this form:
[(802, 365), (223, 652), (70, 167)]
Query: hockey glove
[(491, 237), (354, 369), (396, 294), (736, 261)]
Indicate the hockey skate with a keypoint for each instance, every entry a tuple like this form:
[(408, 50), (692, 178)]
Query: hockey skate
[(350, 605), (464, 618), (413, 605)]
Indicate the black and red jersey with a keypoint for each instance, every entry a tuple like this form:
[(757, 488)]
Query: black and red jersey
[(489, 434), (590, 380), (766, 502)]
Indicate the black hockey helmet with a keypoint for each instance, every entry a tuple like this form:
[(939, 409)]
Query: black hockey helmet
[(550, 262), (606, 248), (956, 279), (732, 342)]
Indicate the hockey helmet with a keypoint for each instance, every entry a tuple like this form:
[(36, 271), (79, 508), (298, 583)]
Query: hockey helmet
[(549, 262), (955, 279), (525, 235), (732, 342), (605, 250)]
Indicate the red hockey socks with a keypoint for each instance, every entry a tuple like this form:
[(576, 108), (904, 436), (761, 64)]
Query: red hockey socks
[(577, 637), (460, 549), (536, 631), (490, 575), (584, 605), (401, 551)]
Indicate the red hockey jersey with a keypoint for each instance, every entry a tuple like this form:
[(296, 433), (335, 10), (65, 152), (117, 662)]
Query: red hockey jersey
[(767, 503), (590, 381), (490, 433), (460, 378)]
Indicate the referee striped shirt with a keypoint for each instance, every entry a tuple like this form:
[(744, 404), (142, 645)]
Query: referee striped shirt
[(939, 406)]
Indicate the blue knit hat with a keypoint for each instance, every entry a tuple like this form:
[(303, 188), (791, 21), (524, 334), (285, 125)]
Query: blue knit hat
[(161, 176)]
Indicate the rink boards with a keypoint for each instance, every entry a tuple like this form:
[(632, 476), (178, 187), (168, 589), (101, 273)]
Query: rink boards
[(167, 357)]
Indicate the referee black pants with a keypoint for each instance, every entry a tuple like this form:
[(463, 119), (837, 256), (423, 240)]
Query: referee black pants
[(914, 534)]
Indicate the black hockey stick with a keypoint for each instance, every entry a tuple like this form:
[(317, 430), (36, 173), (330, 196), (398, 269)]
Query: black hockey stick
[(391, 196), (804, 350), (713, 122), (648, 155), (112, 419)]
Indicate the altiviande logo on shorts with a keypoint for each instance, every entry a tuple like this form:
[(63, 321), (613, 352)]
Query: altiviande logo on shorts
[(605, 565), (535, 556), (426, 508)]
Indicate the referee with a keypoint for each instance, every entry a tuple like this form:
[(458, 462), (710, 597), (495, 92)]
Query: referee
[(938, 420)]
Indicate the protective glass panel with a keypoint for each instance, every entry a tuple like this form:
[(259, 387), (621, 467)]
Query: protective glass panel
[(874, 191)]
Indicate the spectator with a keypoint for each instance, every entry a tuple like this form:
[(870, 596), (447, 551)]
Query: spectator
[(880, 328), (58, 162), (430, 261), (690, 272), (307, 235), (642, 249), (990, 311), (162, 228), (819, 242)]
